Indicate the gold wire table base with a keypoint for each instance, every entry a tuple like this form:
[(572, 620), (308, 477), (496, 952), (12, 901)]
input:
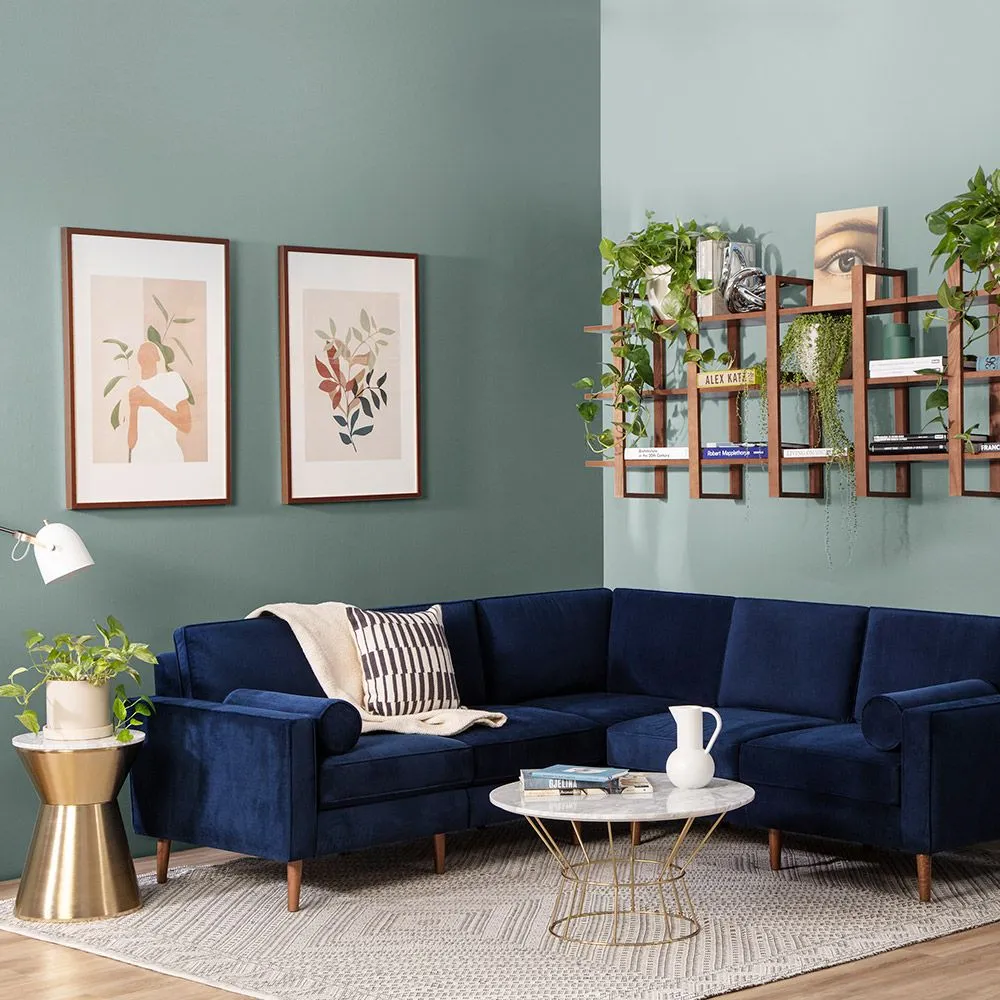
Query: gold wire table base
[(619, 898)]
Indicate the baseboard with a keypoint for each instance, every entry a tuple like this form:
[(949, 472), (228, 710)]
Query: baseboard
[(195, 857)]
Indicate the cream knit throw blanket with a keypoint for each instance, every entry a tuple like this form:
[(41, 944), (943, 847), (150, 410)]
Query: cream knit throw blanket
[(327, 640)]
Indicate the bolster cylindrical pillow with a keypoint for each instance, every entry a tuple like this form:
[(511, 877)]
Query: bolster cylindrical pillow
[(338, 722), (882, 716)]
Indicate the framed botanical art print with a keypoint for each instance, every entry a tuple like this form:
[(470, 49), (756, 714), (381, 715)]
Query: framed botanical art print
[(350, 390), (146, 324)]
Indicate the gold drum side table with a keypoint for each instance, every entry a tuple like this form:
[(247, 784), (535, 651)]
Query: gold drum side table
[(79, 866)]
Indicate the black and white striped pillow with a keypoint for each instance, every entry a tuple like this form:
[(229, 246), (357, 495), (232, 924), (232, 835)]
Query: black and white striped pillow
[(405, 660)]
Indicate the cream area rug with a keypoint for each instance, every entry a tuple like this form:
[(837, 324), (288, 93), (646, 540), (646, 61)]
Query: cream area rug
[(380, 924)]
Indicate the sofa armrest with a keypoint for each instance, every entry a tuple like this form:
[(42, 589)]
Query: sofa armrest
[(950, 793), (338, 722), (882, 716), (227, 776)]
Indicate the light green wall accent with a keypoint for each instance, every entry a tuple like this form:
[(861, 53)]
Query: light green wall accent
[(464, 130), (760, 115)]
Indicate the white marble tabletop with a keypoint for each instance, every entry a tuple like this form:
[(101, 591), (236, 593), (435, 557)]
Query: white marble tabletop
[(38, 741), (666, 802)]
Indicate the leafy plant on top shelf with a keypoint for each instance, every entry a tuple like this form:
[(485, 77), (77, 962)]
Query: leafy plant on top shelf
[(969, 227), (664, 253)]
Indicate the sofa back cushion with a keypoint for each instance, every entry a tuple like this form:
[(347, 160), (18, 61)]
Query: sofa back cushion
[(462, 630), (217, 657), (669, 645), (915, 649), (536, 645), (788, 656)]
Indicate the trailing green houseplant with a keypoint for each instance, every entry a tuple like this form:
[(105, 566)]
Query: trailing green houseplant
[(969, 229), (92, 660), (663, 253)]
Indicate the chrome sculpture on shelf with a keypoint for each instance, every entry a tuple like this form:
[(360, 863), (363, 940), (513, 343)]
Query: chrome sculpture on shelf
[(742, 286)]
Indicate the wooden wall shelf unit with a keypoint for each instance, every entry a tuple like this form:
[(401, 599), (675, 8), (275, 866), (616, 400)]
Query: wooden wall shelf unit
[(899, 305)]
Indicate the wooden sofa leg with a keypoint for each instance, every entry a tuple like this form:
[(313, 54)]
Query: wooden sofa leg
[(294, 885), (439, 846), (162, 860), (924, 877), (774, 849), (636, 834)]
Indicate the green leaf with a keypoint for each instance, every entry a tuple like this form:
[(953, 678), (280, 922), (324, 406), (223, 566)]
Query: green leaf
[(117, 343), (112, 383), (366, 323), (141, 708), (584, 383), (607, 437), (588, 409), (168, 354), (124, 735), (159, 305), (32, 639), (12, 690), (153, 335), (609, 296), (116, 415), (345, 438), (937, 400), (29, 720), (362, 431), (183, 349), (708, 356), (118, 708), (187, 319), (607, 249), (691, 356)]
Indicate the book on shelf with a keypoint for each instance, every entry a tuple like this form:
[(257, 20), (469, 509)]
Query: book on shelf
[(914, 366), (659, 454), (756, 450), (710, 262), (915, 447), (988, 363), (989, 446), (899, 438), (569, 780)]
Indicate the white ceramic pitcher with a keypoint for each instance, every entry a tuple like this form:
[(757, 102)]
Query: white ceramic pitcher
[(691, 764)]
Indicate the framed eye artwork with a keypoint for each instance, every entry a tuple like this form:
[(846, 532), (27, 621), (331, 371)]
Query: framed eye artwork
[(350, 375)]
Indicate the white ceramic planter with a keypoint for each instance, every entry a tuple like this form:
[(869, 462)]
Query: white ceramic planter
[(76, 710), (657, 286), (809, 356)]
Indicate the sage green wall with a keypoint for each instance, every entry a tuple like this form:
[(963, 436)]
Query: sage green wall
[(464, 130), (760, 115)]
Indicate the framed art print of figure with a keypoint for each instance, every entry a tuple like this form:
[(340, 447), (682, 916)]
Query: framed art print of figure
[(146, 326), (350, 375)]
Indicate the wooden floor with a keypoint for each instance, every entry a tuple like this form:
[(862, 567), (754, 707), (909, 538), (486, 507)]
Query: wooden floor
[(960, 967)]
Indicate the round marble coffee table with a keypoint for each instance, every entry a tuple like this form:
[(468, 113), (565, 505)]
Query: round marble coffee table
[(619, 896)]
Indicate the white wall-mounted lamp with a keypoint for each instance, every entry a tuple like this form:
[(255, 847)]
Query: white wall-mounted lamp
[(59, 550)]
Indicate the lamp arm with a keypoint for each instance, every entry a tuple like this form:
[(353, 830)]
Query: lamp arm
[(23, 536)]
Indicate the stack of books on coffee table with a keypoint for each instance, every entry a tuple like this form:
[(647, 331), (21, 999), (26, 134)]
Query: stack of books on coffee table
[(579, 780)]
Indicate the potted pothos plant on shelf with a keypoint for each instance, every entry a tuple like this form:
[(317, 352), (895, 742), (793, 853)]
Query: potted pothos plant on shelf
[(76, 671), (653, 274), (969, 229)]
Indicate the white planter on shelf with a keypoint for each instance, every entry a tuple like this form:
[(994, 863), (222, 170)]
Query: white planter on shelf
[(809, 356), (657, 287), (76, 710)]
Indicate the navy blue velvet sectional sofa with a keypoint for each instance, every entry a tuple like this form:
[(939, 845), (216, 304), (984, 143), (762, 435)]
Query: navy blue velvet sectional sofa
[(587, 676)]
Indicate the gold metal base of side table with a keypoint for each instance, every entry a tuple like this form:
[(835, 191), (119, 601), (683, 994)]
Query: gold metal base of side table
[(621, 899), (79, 866)]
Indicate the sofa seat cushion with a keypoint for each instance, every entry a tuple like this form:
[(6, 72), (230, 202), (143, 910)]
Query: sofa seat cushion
[(830, 760), (605, 708), (644, 744), (386, 765), (532, 737)]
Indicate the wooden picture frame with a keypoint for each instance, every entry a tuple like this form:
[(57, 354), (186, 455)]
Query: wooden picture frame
[(350, 375), (147, 381)]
